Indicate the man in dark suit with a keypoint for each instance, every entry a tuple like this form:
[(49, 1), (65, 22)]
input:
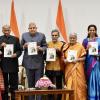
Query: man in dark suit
[(34, 64), (9, 64)]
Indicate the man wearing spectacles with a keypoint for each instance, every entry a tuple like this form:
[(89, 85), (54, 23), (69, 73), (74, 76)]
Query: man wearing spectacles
[(9, 64), (54, 69), (34, 64)]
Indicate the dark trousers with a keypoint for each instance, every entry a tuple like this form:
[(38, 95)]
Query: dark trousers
[(11, 84), (56, 77), (33, 76)]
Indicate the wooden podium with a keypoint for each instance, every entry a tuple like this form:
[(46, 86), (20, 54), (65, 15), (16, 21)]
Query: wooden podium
[(23, 93)]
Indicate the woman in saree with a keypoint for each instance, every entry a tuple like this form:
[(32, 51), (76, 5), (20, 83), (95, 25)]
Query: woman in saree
[(74, 71), (92, 64)]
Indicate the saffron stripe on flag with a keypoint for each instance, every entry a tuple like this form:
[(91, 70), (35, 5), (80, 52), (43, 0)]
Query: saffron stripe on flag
[(60, 22), (13, 21)]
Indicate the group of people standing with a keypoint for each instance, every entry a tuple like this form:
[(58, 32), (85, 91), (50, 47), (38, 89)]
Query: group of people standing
[(82, 74)]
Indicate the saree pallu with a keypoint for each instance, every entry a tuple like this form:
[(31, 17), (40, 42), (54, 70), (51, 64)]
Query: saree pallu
[(92, 68), (94, 82), (74, 74), (93, 77), (75, 79)]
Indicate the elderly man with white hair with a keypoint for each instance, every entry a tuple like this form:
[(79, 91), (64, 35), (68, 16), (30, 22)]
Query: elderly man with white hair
[(9, 61)]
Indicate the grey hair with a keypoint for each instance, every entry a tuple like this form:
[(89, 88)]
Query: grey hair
[(6, 26), (75, 34), (32, 23)]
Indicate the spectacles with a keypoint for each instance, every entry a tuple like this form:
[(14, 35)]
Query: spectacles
[(6, 30), (54, 35), (32, 28)]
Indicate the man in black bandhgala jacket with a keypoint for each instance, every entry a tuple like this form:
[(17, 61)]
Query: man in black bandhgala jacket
[(9, 64)]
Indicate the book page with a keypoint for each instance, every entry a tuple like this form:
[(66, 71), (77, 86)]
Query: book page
[(51, 54), (8, 50), (93, 50), (32, 48), (72, 55)]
